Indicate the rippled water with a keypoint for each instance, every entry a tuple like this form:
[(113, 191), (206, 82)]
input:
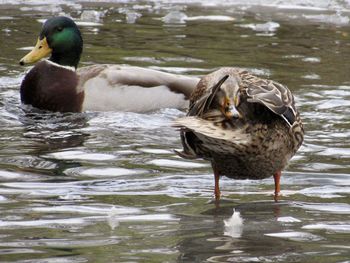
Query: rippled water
[(107, 187)]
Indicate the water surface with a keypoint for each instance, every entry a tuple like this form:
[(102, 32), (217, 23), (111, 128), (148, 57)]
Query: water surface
[(107, 186)]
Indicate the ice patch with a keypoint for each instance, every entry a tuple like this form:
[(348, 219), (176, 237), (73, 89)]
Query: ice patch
[(130, 15), (92, 15), (175, 17)]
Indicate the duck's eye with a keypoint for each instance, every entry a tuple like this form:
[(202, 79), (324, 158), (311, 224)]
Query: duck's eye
[(59, 29)]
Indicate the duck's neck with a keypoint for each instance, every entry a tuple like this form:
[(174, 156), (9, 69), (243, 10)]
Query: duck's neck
[(68, 59)]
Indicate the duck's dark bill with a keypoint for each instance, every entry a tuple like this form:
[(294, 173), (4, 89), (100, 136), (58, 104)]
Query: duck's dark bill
[(40, 51)]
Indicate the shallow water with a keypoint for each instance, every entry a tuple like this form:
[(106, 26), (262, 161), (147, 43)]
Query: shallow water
[(107, 187)]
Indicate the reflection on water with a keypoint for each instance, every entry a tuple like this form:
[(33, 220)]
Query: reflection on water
[(107, 186)]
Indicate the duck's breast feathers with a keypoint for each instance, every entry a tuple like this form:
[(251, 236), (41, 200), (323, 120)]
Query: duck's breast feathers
[(50, 86)]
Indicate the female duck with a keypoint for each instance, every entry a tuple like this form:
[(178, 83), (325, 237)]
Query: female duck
[(246, 126), (56, 84)]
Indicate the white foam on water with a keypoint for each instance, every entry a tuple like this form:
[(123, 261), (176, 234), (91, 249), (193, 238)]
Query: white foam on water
[(326, 191), (177, 164), (288, 219), (79, 23), (288, 9), (155, 151), (312, 60), (7, 175), (339, 228), (114, 220), (211, 18), (311, 76), (91, 210), (43, 222), (337, 208), (296, 236), (80, 155), (335, 19), (109, 172)]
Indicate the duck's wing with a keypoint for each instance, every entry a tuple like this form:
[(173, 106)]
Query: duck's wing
[(129, 88), (138, 76), (272, 95), (277, 98)]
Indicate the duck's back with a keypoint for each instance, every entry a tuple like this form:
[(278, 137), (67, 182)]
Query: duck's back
[(49, 86)]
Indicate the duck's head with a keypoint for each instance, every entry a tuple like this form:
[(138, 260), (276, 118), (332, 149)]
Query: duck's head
[(60, 38), (227, 96)]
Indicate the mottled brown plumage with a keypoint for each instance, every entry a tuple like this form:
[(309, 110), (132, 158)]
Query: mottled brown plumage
[(248, 127)]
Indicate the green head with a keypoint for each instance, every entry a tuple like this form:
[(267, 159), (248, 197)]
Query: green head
[(61, 38)]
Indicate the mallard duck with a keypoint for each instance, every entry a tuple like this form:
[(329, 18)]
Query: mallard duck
[(56, 84), (248, 127)]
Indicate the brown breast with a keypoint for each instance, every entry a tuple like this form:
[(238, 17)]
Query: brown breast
[(51, 87)]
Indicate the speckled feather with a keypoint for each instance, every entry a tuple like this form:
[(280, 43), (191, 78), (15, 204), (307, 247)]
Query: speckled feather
[(255, 146)]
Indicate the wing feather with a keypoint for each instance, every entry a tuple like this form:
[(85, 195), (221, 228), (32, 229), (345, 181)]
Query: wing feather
[(274, 96)]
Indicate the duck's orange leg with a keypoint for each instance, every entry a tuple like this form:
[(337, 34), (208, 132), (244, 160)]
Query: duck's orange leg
[(277, 177), (217, 187)]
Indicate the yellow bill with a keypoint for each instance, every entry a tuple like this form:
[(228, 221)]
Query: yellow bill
[(40, 51)]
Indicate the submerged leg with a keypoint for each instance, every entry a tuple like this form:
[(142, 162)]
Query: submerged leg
[(217, 187), (277, 177)]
